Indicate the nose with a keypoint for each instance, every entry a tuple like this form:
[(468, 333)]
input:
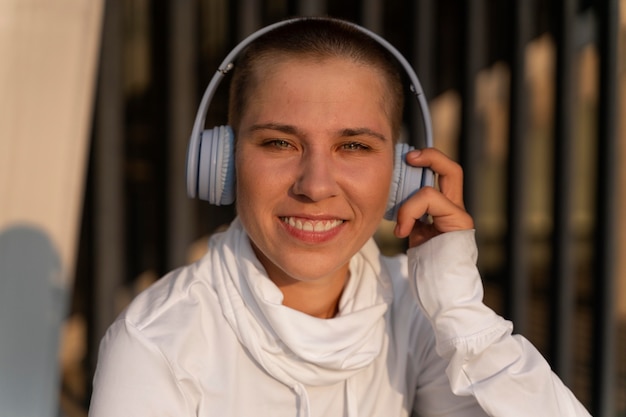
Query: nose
[(316, 178)]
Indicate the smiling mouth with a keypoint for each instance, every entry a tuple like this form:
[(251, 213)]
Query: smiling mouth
[(308, 225)]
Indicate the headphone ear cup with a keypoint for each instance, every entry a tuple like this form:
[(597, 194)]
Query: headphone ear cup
[(405, 182), (216, 166)]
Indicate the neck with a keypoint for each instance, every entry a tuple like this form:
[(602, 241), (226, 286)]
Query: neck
[(318, 297), (315, 299)]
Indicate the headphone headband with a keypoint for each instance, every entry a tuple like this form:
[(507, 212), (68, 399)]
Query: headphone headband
[(210, 156), (228, 64)]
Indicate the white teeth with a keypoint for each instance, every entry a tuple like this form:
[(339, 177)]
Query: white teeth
[(312, 225)]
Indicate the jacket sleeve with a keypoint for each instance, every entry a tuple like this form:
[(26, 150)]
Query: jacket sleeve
[(133, 378), (504, 372)]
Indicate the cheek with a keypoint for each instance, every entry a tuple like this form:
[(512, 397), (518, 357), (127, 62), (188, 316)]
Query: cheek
[(379, 179), (384, 177), (246, 191), (248, 201), (242, 181), (369, 188), (256, 180)]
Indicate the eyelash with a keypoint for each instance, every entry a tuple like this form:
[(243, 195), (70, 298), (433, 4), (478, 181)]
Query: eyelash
[(349, 146), (355, 146), (277, 143)]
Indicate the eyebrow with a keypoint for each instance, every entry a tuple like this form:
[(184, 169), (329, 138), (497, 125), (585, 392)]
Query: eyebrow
[(289, 129), (363, 131), (292, 130)]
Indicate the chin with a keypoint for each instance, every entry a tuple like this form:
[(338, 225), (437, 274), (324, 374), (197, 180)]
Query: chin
[(311, 268)]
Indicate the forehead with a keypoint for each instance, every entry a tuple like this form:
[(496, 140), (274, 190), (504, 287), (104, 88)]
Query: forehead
[(267, 65), (315, 78), (333, 69)]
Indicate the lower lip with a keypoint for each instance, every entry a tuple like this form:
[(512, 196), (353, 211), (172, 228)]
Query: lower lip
[(309, 236)]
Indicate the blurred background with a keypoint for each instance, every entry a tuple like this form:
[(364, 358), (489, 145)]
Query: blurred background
[(527, 95)]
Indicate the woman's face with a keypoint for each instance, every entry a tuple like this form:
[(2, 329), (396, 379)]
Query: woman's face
[(314, 161)]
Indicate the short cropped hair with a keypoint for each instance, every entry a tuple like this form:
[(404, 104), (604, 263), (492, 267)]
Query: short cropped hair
[(316, 38)]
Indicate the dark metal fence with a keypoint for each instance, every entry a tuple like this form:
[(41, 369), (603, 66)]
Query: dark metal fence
[(550, 269)]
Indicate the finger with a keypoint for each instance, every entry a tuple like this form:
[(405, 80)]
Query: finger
[(450, 173), (447, 216)]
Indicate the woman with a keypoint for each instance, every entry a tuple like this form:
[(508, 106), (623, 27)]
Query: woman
[(293, 311)]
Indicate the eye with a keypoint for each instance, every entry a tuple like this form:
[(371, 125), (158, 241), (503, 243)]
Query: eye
[(277, 143), (355, 146)]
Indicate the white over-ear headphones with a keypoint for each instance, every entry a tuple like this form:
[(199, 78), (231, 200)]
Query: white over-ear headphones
[(210, 155)]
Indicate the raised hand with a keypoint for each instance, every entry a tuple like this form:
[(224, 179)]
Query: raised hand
[(444, 207)]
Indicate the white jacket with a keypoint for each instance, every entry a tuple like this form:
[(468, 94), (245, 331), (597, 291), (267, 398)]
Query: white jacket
[(213, 339)]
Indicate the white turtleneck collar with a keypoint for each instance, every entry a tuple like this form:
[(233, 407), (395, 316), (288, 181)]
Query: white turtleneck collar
[(295, 348)]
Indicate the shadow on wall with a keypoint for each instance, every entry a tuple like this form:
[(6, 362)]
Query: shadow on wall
[(32, 309)]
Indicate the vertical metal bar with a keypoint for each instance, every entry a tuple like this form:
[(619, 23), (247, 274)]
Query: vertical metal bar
[(181, 110), (603, 386), (562, 264), (423, 58), (472, 129), (517, 288), (312, 7), (108, 171), (372, 15), (424, 46), (249, 17)]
